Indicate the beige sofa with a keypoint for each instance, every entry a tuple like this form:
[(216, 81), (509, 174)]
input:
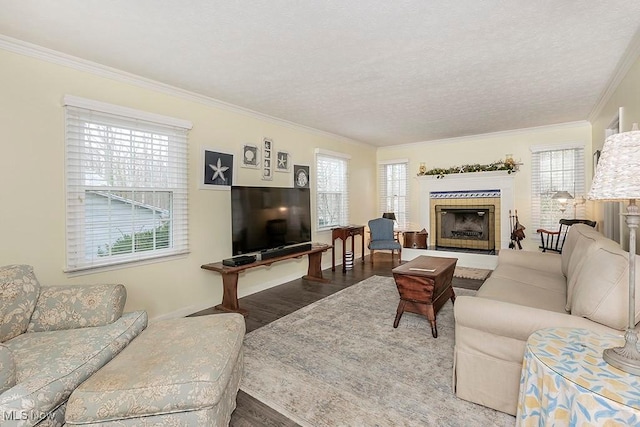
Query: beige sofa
[(584, 287)]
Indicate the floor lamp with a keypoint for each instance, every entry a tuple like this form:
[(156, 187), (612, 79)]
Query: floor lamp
[(616, 179)]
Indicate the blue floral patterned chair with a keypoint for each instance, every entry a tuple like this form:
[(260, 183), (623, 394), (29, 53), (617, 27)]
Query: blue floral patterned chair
[(52, 339)]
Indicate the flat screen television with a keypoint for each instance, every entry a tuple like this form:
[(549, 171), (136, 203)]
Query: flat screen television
[(269, 217)]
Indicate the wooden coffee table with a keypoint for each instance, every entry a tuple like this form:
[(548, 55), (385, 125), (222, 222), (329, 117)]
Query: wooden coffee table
[(424, 285)]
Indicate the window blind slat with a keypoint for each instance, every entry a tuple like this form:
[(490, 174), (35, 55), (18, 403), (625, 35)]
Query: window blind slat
[(126, 189)]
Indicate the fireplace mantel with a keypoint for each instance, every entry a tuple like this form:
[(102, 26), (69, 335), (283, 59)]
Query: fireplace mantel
[(472, 181)]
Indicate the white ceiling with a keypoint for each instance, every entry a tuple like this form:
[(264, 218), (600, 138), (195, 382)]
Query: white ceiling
[(378, 71)]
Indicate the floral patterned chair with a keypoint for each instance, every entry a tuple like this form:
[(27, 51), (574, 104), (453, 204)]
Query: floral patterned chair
[(52, 339)]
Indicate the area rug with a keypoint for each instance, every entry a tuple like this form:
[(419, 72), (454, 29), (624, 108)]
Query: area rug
[(471, 273), (340, 362)]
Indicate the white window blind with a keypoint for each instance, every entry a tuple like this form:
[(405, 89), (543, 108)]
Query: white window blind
[(332, 190), (126, 185), (558, 169), (392, 184)]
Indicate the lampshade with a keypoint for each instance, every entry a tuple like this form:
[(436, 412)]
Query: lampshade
[(389, 215), (562, 196), (617, 172)]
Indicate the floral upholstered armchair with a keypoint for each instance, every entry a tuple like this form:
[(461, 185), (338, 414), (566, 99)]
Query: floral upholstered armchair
[(52, 338)]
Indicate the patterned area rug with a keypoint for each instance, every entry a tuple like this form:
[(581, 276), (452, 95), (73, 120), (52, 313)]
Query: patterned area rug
[(340, 362), (471, 273)]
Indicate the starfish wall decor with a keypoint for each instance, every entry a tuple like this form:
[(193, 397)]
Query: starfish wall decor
[(218, 170)]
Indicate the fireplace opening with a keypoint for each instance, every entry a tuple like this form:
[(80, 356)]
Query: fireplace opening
[(466, 227)]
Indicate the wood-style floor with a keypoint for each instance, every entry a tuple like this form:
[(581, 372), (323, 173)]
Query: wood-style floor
[(273, 303)]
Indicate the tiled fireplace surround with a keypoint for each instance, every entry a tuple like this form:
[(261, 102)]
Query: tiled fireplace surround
[(465, 190)]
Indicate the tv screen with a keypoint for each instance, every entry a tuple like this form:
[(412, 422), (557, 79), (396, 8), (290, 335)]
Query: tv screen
[(269, 217)]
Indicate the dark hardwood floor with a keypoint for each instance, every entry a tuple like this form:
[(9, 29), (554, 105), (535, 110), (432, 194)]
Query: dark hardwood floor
[(273, 303)]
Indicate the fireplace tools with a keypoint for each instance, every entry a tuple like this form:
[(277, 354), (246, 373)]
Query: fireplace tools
[(517, 231)]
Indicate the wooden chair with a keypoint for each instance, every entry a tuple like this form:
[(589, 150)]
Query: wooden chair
[(553, 241), (383, 238)]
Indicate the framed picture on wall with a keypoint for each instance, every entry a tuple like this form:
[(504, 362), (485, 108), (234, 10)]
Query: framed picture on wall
[(217, 170), (301, 176), (283, 161), (250, 156), (267, 163)]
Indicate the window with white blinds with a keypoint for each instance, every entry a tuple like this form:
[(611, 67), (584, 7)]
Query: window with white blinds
[(332, 189), (126, 185), (392, 186), (553, 170)]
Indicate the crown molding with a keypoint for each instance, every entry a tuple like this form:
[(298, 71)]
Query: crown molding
[(513, 132), (42, 53), (629, 58)]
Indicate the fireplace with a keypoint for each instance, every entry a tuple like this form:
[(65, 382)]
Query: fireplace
[(465, 227), (465, 220), (464, 190)]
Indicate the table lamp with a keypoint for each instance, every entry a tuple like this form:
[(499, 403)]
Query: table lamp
[(617, 179), (389, 215)]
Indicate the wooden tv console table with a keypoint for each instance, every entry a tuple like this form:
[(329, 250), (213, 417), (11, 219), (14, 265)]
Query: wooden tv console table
[(230, 275)]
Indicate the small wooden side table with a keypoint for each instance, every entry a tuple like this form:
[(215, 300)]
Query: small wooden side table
[(344, 233), (424, 285)]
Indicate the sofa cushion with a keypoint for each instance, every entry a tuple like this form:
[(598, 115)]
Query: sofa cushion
[(549, 280), (524, 294), (50, 365), (582, 241), (601, 292), (19, 290), (536, 261), (77, 306), (7, 369)]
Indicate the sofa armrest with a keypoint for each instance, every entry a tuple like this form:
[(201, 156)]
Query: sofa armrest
[(513, 320), (535, 260), (77, 306)]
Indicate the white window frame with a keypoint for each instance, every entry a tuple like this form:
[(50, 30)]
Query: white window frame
[(545, 211), (157, 144), (393, 190), (331, 180)]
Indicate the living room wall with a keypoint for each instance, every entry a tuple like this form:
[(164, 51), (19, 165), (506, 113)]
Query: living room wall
[(32, 218), (485, 149), (627, 96)]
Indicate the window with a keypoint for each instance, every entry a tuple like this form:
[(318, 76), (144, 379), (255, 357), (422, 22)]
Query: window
[(126, 184), (332, 195), (392, 184), (556, 169)]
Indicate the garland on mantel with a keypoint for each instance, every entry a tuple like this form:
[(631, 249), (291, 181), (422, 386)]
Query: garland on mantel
[(508, 165)]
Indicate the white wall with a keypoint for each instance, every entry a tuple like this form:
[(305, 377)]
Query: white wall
[(485, 149), (32, 216), (627, 96)]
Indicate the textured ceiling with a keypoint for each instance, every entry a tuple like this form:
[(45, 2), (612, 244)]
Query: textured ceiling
[(379, 71)]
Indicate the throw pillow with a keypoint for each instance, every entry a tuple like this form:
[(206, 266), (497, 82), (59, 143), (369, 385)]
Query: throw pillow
[(602, 292), (19, 290)]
